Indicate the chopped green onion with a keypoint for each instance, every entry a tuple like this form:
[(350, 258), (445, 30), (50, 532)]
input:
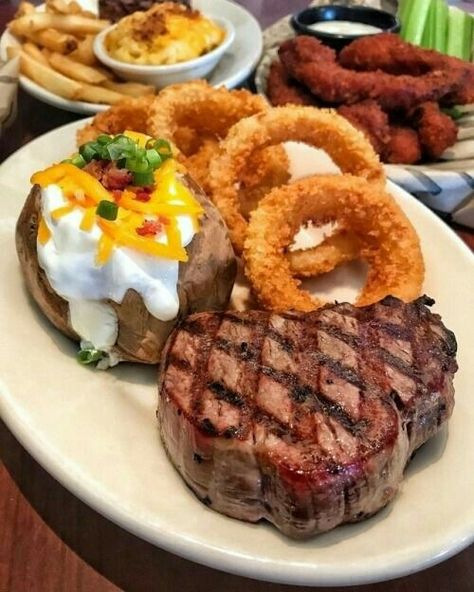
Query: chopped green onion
[(78, 161), (88, 151), (143, 179), (107, 210), (127, 154), (121, 147), (153, 158), (163, 148), (89, 356), (103, 139)]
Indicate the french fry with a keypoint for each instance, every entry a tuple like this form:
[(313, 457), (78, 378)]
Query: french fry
[(35, 52), (24, 8), (49, 78), (69, 23), (97, 94), (74, 70), (59, 7), (84, 52), (55, 41), (131, 89), (13, 51)]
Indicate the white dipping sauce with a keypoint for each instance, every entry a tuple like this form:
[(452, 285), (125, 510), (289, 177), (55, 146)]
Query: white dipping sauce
[(344, 28), (68, 259)]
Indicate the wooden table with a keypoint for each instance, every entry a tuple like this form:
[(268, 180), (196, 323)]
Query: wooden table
[(50, 541)]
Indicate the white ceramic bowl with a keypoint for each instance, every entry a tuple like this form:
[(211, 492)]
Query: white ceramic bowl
[(161, 76)]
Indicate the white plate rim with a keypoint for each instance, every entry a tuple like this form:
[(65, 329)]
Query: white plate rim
[(81, 107), (209, 555)]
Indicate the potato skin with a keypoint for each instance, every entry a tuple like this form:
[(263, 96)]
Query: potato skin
[(205, 282)]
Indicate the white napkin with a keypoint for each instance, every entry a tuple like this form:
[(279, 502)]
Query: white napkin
[(8, 90)]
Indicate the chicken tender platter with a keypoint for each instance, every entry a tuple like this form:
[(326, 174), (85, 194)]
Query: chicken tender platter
[(243, 341)]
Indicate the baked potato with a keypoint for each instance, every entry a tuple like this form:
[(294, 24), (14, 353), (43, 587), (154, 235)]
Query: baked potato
[(205, 282)]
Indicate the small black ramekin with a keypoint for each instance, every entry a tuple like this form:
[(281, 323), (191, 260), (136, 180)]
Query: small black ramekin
[(389, 23)]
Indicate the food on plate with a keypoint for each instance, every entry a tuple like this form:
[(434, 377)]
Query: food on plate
[(197, 117), (389, 89), (319, 128), (315, 65), (436, 130), (128, 114), (118, 243), (56, 49), (307, 420), (390, 54), (167, 33), (114, 10), (435, 25), (339, 247), (389, 243), (283, 90)]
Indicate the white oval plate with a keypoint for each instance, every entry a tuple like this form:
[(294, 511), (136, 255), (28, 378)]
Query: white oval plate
[(236, 65), (96, 431)]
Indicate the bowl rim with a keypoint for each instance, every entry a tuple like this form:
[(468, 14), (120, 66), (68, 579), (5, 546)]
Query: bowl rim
[(103, 56), (298, 26)]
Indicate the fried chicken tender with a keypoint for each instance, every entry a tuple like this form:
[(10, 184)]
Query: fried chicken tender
[(436, 130), (315, 66), (282, 90), (369, 118), (403, 146), (389, 53)]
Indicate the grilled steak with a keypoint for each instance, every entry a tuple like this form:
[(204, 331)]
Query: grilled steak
[(304, 419)]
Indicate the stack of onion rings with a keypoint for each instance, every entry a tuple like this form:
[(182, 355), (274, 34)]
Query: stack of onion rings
[(388, 241), (196, 117), (319, 128)]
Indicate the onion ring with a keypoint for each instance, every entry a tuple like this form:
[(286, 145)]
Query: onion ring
[(320, 128), (129, 114), (209, 113), (390, 244), (340, 247)]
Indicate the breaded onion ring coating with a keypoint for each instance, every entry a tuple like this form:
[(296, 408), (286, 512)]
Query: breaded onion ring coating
[(207, 113), (201, 107), (129, 114), (321, 128), (340, 247), (390, 244)]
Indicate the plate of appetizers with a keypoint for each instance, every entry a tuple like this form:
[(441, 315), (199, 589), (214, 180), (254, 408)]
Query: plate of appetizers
[(76, 81), (424, 136), (102, 217)]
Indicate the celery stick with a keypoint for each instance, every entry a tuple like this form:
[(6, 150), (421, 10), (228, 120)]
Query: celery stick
[(403, 7), (456, 23), (467, 38), (427, 38), (416, 20), (440, 25)]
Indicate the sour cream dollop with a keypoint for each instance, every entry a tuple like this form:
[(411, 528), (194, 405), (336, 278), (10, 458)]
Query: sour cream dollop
[(69, 260)]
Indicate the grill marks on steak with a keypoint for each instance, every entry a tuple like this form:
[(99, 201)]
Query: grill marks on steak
[(306, 420)]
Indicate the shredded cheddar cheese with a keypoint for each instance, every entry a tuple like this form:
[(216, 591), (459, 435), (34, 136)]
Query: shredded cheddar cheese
[(169, 199)]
